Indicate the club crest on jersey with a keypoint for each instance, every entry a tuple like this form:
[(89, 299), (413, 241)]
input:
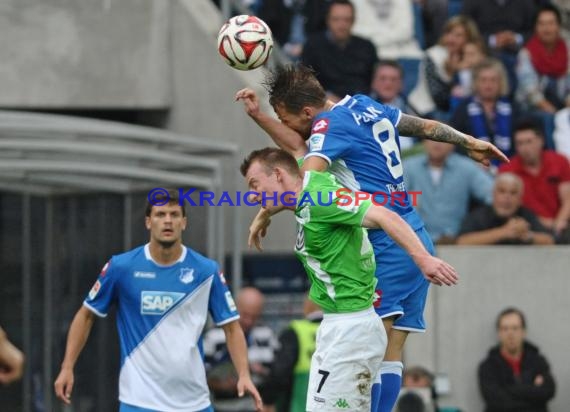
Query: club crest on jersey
[(158, 303), (316, 142), (321, 126), (186, 275), (94, 290)]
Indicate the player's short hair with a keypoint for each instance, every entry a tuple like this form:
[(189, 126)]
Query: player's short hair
[(510, 311), (294, 87), (173, 199), (270, 157)]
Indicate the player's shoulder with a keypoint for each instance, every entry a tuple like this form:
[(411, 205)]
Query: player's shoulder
[(315, 181), (200, 261), (125, 259)]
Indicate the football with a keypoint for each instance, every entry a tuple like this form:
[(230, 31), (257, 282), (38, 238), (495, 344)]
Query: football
[(245, 42)]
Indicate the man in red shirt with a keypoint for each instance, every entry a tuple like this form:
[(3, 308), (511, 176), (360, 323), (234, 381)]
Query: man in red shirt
[(546, 177)]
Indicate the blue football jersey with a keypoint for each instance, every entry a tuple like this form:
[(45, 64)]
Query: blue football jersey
[(360, 141), (161, 313)]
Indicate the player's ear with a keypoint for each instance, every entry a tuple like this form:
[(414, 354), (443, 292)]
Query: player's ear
[(147, 222), (184, 222), (308, 112)]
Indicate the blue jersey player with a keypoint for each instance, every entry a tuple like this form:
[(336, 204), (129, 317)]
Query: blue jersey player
[(357, 139), (163, 292)]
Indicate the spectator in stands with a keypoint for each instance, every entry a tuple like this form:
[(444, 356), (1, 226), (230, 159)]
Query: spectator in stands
[(506, 222), (473, 53), (261, 344), (542, 69), (564, 8), (515, 376), (441, 62), (546, 177), (506, 25), (418, 393), (343, 62), (389, 25), (387, 84), (286, 389), (489, 113), (562, 132), (447, 182)]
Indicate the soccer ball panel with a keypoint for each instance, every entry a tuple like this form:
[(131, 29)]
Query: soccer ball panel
[(245, 42)]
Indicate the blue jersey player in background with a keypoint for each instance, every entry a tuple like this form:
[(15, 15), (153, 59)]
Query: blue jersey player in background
[(163, 292), (357, 139)]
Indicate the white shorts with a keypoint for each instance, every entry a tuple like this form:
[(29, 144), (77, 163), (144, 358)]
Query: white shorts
[(349, 352)]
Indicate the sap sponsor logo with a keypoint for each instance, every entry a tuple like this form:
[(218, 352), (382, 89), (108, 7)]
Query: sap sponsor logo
[(144, 275), (94, 290), (186, 275), (316, 142), (158, 303), (321, 126), (230, 301)]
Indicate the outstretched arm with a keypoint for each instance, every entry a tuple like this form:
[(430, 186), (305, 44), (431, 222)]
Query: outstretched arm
[(478, 150), (237, 347), (283, 136), (435, 270), (76, 339)]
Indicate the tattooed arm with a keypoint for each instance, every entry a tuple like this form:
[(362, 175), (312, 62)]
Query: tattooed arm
[(478, 150)]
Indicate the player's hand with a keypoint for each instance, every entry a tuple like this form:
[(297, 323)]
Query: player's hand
[(250, 101), (246, 385), (11, 361), (483, 152), (64, 385), (258, 228), (437, 271)]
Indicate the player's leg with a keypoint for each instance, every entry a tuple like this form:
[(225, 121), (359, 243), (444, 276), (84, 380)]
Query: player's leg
[(342, 367), (392, 367)]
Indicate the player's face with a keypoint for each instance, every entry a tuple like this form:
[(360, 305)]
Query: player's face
[(507, 198), (511, 332), (166, 224), (300, 122), (265, 185)]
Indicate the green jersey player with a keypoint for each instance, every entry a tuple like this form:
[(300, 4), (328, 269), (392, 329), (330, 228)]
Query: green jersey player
[(339, 260)]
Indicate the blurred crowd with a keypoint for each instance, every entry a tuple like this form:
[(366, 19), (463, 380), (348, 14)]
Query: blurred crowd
[(495, 69)]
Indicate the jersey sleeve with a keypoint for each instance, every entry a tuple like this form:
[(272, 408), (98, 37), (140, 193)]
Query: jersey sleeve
[(221, 305), (328, 140), (102, 293), (393, 114)]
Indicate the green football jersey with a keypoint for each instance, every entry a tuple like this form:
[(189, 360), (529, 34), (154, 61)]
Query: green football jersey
[(333, 246)]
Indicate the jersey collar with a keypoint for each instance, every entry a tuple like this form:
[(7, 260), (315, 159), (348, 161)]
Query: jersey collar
[(148, 256)]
